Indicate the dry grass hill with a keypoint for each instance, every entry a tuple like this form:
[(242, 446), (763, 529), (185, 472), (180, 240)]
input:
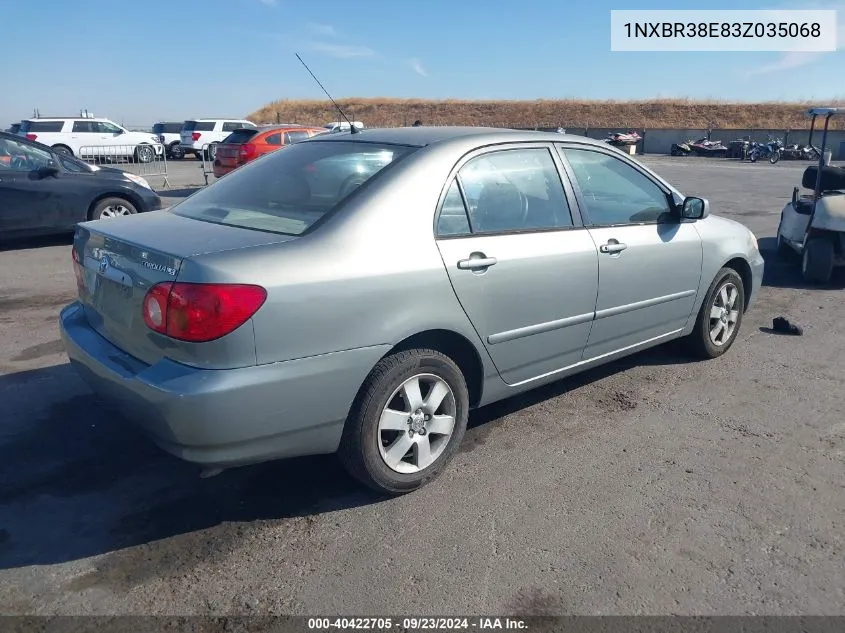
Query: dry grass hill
[(571, 113)]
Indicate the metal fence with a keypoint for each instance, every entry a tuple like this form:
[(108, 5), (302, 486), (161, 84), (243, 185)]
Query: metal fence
[(208, 152), (145, 160)]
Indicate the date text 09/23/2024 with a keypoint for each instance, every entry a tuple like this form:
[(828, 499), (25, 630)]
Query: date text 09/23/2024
[(415, 623)]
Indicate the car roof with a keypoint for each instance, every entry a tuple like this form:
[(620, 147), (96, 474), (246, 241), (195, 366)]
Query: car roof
[(225, 118), (422, 136)]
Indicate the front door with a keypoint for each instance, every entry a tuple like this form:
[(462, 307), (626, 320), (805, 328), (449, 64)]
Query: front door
[(27, 201), (523, 268), (649, 260)]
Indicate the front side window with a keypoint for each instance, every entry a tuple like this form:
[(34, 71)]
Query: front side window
[(614, 192), (286, 192), (105, 127), (16, 156), (514, 189)]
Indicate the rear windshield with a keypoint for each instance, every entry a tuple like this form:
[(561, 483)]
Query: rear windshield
[(198, 126), (240, 136), (41, 126), (289, 190)]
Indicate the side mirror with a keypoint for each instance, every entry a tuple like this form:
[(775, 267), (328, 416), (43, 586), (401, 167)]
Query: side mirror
[(48, 171), (695, 208)]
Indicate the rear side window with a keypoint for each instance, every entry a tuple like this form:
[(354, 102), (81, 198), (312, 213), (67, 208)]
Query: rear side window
[(171, 128), (240, 136), (274, 139), (286, 192), (41, 126), (84, 126), (295, 137), (453, 214)]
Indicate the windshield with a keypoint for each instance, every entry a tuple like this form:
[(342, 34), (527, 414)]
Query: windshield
[(288, 191)]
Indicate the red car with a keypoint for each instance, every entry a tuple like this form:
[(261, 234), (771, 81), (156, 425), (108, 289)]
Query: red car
[(246, 144)]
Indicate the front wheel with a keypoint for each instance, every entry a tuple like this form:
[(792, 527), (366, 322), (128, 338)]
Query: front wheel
[(112, 208), (176, 151), (753, 156), (817, 260), (407, 421), (775, 157), (144, 154), (720, 316)]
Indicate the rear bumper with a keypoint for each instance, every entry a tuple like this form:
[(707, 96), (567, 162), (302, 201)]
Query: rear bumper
[(222, 170), (223, 417)]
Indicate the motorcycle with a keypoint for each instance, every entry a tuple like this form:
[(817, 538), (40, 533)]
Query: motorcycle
[(621, 139), (800, 152), (771, 150)]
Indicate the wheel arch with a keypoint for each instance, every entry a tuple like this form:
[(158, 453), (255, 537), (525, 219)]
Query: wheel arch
[(455, 346), (743, 269), (113, 194)]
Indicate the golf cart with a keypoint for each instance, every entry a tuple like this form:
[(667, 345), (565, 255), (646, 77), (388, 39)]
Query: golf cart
[(813, 225)]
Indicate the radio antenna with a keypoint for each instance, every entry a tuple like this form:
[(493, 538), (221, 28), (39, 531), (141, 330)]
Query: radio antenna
[(352, 128)]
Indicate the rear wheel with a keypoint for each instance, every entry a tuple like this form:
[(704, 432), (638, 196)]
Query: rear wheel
[(753, 156), (407, 422), (775, 157), (176, 151), (720, 316), (817, 260), (64, 150), (112, 208)]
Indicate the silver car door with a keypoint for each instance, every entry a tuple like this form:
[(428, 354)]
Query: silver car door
[(523, 268), (649, 260)]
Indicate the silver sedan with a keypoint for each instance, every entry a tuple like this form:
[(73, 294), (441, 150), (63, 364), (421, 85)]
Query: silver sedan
[(360, 293)]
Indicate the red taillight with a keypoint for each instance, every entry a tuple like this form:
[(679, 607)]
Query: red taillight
[(247, 151), (196, 136), (31, 137), (77, 271), (200, 312)]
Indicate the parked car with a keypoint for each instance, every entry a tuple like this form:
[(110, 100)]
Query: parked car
[(280, 312), (169, 135), (197, 134), (87, 136), (247, 144), (43, 191), (343, 126)]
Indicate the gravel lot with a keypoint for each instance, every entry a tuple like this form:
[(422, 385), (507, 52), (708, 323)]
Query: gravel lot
[(651, 486)]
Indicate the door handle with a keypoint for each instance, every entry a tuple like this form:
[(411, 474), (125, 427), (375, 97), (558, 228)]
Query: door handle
[(476, 263), (613, 247)]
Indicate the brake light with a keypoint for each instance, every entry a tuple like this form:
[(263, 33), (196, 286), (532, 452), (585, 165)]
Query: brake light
[(31, 137), (196, 136), (247, 151), (77, 271), (199, 313)]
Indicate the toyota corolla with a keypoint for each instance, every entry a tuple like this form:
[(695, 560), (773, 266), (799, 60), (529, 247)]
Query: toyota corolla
[(360, 293)]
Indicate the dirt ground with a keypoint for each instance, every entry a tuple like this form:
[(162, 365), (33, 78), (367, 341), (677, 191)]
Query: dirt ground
[(650, 486)]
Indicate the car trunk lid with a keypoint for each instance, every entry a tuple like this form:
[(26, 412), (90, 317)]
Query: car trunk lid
[(121, 259)]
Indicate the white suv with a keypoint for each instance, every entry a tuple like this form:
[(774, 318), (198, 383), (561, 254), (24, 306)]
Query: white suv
[(197, 133), (88, 136)]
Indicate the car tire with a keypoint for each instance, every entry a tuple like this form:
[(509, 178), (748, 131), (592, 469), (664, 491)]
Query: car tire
[(113, 207), (726, 292), (371, 448), (62, 150), (817, 260), (144, 153), (176, 151)]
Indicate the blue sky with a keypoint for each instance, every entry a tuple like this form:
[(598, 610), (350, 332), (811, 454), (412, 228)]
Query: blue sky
[(134, 61)]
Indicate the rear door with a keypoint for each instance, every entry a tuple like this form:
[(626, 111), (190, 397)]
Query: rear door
[(521, 264), (649, 260)]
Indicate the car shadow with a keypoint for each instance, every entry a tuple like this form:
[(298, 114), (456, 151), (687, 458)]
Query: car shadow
[(44, 241), (181, 192), (78, 482), (784, 271)]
